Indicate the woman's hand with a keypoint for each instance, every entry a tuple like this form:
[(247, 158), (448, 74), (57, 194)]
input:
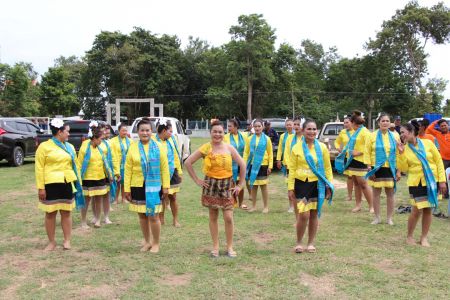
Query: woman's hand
[(269, 171), (165, 192), (127, 196), (291, 195), (201, 183), (400, 147), (236, 190), (328, 193), (398, 176), (42, 195), (442, 188), (118, 178), (356, 153)]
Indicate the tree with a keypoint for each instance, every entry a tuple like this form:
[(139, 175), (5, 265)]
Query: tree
[(252, 47), (402, 40)]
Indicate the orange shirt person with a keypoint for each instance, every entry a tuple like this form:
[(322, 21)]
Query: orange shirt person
[(443, 137)]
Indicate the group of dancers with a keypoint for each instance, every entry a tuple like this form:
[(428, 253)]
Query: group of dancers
[(149, 173)]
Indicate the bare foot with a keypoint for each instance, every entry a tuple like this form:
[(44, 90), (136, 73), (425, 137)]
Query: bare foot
[(176, 224), (410, 241), (108, 221), (85, 226), (390, 222), (50, 247), (371, 210), (356, 209), (146, 247), (66, 245), (252, 209), (265, 211), (154, 249), (93, 221), (424, 242)]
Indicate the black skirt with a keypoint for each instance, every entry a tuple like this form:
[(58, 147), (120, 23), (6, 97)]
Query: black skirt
[(383, 173), (138, 194), (175, 180), (58, 192), (262, 173), (94, 183), (357, 165), (306, 190)]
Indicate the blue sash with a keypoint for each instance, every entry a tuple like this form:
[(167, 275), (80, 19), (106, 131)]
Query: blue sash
[(339, 162), (124, 157), (79, 197), (151, 169), (432, 191), (381, 157), (256, 156), (170, 155), (283, 146), (240, 150), (109, 166), (176, 148), (319, 171)]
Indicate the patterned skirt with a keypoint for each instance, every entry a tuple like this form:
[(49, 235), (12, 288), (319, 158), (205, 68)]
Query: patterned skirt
[(175, 183), (419, 196), (356, 168), (306, 193), (93, 188), (383, 178), (218, 194), (262, 178), (59, 196), (137, 203)]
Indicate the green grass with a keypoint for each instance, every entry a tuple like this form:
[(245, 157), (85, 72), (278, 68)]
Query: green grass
[(354, 259)]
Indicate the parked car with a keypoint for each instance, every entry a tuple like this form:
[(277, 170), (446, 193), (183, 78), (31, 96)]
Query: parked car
[(18, 139), (178, 130), (79, 130), (328, 135)]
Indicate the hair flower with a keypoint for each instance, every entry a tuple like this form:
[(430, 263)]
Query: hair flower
[(57, 123)]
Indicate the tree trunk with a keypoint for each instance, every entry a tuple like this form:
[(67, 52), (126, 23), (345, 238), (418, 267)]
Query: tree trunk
[(249, 90)]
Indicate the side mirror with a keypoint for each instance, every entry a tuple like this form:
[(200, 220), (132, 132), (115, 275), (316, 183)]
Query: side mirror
[(188, 132), (40, 131)]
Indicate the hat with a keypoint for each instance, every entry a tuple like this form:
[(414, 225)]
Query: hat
[(397, 118)]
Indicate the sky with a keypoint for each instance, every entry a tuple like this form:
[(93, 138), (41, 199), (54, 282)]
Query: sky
[(40, 31)]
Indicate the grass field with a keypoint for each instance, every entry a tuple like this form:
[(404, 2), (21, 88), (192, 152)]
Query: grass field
[(354, 259)]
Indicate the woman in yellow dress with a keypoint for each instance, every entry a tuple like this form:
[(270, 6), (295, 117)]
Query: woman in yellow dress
[(258, 155), (237, 139), (281, 162), (380, 156), (309, 182), (426, 177), (119, 146), (147, 181), (57, 179), (217, 186), (340, 142), (354, 164), (95, 173), (164, 136)]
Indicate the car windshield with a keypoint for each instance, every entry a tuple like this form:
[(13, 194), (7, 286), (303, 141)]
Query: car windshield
[(79, 127)]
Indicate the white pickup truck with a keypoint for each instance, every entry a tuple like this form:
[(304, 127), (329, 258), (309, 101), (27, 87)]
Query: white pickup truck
[(328, 135), (179, 132)]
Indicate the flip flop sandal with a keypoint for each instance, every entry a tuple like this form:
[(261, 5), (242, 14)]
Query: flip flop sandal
[(214, 254), (244, 207), (299, 249), (231, 254), (311, 249)]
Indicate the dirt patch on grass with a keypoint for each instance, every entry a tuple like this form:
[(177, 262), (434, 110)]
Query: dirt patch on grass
[(263, 238), (103, 291), (389, 267), (320, 287), (176, 280), (339, 184)]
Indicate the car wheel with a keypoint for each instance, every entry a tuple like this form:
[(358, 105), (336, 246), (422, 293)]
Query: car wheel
[(17, 157)]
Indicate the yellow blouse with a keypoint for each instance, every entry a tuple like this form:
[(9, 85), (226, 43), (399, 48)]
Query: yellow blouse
[(408, 162), (114, 143), (342, 140), (95, 169), (53, 165), (287, 150), (299, 168), (216, 165), (226, 138), (370, 149), (280, 150), (133, 169), (175, 155), (360, 144), (268, 155)]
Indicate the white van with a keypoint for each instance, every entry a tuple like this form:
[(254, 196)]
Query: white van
[(178, 131)]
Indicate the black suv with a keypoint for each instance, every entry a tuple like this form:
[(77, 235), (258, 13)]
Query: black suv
[(18, 139)]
